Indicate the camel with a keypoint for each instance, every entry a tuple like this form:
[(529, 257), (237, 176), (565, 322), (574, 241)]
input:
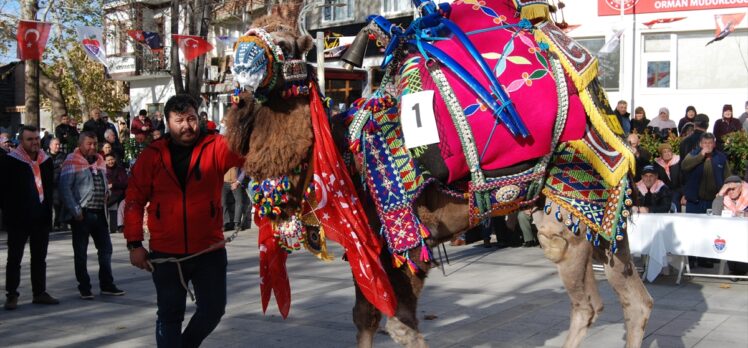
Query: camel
[(276, 135)]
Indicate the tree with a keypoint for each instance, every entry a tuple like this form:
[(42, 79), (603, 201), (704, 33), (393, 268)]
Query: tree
[(31, 76)]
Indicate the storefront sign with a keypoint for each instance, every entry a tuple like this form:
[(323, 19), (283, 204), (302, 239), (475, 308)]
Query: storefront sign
[(119, 65), (613, 7)]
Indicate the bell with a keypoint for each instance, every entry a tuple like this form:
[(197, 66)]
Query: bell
[(354, 55)]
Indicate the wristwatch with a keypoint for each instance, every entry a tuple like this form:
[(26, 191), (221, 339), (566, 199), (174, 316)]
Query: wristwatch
[(134, 245)]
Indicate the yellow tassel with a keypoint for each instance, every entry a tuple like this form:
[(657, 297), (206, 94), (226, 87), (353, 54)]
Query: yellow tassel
[(532, 12), (581, 80)]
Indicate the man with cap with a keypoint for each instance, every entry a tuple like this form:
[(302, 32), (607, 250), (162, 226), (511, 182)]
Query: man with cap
[(726, 125), (653, 196), (643, 157), (662, 126)]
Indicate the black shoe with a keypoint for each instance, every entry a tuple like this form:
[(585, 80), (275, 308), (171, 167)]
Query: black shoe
[(45, 298), (11, 303), (112, 291), (86, 295), (530, 244), (228, 226)]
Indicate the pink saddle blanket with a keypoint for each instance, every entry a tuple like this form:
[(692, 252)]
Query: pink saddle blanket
[(525, 75)]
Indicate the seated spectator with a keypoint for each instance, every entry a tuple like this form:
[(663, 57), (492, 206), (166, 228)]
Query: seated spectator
[(700, 125), (744, 118), (640, 122), (624, 117), (653, 196), (662, 126), (687, 130), (643, 157), (732, 200), (688, 117), (726, 125), (667, 167)]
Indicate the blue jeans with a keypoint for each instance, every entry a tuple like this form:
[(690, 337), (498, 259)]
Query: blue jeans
[(94, 224), (207, 273)]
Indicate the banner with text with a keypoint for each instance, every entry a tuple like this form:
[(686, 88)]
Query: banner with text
[(613, 7)]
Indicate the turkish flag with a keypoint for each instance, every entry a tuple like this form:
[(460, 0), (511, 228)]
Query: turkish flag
[(192, 46), (727, 22), (273, 274), (662, 21), (32, 39), (137, 35), (342, 216)]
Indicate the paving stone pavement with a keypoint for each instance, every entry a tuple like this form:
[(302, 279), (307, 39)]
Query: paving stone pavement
[(509, 297)]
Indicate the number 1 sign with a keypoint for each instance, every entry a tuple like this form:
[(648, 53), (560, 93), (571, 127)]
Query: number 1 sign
[(417, 118)]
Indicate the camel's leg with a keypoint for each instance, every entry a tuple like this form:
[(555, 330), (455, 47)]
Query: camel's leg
[(403, 327), (573, 257), (366, 317), (634, 297)]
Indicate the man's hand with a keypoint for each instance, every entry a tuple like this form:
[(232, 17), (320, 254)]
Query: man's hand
[(643, 210), (139, 259), (79, 217), (234, 185)]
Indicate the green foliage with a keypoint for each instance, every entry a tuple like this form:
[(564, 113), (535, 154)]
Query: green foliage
[(650, 143), (736, 148)]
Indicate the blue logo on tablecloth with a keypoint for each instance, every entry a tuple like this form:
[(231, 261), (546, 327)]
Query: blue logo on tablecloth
[(720, 244)]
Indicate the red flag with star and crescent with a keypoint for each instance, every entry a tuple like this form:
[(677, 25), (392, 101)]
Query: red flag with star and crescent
[(273, 274), (342, 216), (192, 46), (32, 39)]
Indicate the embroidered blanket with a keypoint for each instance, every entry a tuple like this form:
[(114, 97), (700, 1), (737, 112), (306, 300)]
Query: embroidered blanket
[(522, 69)]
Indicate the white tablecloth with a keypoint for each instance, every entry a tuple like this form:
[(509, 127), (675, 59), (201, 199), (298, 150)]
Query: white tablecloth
[(701, 235)]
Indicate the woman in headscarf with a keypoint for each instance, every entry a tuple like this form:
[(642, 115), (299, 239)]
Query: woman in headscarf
[(726, 125), (662, 126), (688, 117), (667, 166)]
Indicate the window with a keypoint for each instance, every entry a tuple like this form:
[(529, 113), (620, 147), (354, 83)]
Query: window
[(608, 63), (337, 10), (343, 91), (658, 74), (657, 43), (395, 6), (722, 64)]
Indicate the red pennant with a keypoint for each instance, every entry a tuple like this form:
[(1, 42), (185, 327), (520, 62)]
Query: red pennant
[(662, 20), (727, 22), (273, 275), (341, 215), (192, 46), (32, 39)]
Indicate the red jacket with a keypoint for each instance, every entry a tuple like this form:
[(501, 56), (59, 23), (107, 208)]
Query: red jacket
[(137, 126), (179, 222)]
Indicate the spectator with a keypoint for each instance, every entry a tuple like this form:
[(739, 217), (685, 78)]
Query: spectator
[(83, 187), (4, 144), (726, 125), (525, 222), (624, 117), (744, 117), (180, 223), (156, 135), (57, 159), (233, 192), (667, 167), (700, 125), (687, 130), (46, 138), (67, 133), (643, 157), (110, 127), (123, 131), (116, 176), (733, 197), (688, 117), (653, 196), (26, 183), (142, 124), (705, 170), (662, 126), (640, 122), (96, 124), (158, 122), (110, 137)]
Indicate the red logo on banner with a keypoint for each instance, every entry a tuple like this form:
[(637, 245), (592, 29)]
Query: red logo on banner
[(32, 39)]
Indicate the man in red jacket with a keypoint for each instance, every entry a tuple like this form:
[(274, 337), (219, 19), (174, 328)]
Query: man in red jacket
[(179, 179)]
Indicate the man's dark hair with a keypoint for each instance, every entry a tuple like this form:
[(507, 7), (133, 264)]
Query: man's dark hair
[(701, 121), (142, 113), (27, 128), (87, 134), (110, 155), (707, 136), (179, 103)]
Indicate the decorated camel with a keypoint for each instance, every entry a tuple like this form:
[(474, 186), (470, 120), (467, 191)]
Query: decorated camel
[(515, 119)]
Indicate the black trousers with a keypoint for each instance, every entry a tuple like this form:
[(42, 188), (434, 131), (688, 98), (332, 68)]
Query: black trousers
[(38, 238)]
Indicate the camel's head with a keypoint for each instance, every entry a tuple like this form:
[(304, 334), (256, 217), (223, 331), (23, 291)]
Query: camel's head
[(270, 122)]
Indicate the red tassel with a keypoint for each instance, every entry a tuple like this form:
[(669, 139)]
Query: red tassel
[(424, 253), (424, 231)]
